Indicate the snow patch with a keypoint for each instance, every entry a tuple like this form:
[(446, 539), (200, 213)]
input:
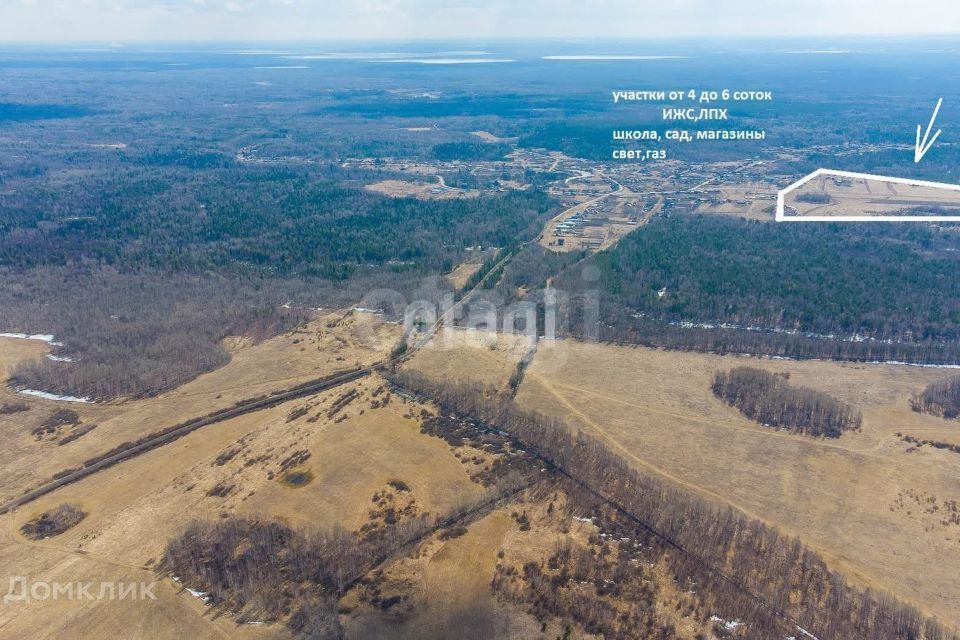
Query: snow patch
[(806, 633), (42, 337), (729, 625), (196, 593), (52, 396)]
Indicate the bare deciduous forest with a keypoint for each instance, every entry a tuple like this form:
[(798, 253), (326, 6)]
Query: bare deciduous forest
[(54, 522), (141, 271), (940, 398), (136, 334), (269, 572), (769, 399)]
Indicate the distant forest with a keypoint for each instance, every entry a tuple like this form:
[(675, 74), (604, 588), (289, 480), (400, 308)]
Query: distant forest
[(143, 273), (470, 151), (270, 221), (25, 112), (809, 291)]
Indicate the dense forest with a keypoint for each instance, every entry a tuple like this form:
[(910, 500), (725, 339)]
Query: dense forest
[(769, 399), (754, 570), (941, 398), (141, 275), (470, 151), (254, 221), (590, 138), (19, 112), (826, 291)]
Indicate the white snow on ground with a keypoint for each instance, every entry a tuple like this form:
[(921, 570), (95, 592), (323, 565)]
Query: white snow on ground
[(52, 396), (729, 625), (806, 633), (42, 337), (917, 364), (198, 594), (50, 356)]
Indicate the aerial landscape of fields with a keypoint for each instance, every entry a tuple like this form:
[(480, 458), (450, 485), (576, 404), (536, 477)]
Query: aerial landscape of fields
[(435, 320)]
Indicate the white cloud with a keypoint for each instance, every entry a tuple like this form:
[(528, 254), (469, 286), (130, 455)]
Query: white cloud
[(337, 19)]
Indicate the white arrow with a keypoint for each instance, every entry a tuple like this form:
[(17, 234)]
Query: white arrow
[(921, 148)]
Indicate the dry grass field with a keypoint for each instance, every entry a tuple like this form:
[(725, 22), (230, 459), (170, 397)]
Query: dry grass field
[(871, 504), (486, 136), (828, 195), (340, 454), (421, 190), (754, 201), (462, 273), (330, 343), (450, 580), (242, 467), (470, 355)]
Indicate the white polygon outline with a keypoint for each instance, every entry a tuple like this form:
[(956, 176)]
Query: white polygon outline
[(780, 217)]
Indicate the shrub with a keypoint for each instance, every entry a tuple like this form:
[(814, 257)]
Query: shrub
[(54, 522), (13, 407)]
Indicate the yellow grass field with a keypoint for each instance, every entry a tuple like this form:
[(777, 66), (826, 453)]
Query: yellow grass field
[(421, 190), (332, 342), (863, 500), (461, 274), (136, 507), (869, 502), (864, 197), (470, 355)]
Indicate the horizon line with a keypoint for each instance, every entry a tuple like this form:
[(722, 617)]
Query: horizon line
[(117, 42)]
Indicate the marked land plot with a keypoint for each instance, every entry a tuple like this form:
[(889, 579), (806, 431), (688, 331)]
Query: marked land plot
[(836, 196)]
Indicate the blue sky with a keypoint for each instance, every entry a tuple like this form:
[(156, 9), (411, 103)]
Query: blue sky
[(279, 20)]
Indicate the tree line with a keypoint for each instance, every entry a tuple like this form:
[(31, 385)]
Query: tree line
[(743, 560)]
